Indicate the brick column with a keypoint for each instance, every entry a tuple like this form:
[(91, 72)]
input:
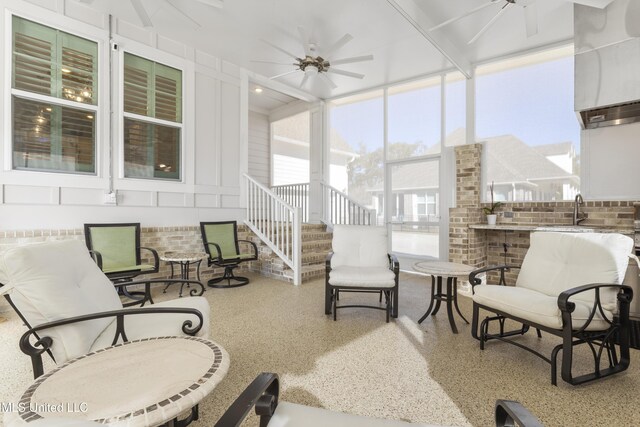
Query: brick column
[(465, 245)]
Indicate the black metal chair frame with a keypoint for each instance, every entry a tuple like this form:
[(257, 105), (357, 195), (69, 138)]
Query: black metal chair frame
[(229, 264), (43, 344), (263, 394), (332, 293), (599, 342)]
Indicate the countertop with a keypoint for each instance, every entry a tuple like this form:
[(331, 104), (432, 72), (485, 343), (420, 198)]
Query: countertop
[(557, 228)]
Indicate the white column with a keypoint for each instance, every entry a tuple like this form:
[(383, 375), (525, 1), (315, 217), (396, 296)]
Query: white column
[(316, 161)]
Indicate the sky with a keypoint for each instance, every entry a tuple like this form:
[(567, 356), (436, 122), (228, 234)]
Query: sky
[(533, 103)]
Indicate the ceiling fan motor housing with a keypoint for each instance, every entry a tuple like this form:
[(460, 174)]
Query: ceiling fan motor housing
[(318, 62)]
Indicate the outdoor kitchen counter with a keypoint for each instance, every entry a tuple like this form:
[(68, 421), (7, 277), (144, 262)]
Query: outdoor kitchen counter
[(558, 228)]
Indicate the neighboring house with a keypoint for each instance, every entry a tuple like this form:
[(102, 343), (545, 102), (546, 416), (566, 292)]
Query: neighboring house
[(525, 173), (290, 146), (519, 172)]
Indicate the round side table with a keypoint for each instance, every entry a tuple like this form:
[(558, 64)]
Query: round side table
[(184, 260)]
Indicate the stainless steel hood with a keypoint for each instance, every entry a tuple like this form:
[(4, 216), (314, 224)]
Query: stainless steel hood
[(607, 64)]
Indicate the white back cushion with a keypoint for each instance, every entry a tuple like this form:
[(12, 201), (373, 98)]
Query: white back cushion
[(556, 262), (57, 280), (359, 246)]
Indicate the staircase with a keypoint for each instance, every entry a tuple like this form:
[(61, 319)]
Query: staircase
[(289, 247)]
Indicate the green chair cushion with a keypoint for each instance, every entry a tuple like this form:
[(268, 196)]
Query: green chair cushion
[(117, 246), (132, 267)]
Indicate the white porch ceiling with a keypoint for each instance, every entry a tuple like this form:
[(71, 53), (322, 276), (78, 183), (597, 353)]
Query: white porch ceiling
[(234, 33)]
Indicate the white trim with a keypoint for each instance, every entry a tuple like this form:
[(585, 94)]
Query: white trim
[(71, 26), (152, 120)]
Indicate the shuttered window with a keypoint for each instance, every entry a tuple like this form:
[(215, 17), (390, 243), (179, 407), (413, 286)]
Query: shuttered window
[(54, 99), (152, 119)]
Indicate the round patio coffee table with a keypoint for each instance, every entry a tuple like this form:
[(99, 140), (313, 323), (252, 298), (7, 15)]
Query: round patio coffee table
[(437, 270), (146, 382)]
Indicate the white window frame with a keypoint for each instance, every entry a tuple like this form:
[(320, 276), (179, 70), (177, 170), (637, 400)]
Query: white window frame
[(54, 178), (187, 173)]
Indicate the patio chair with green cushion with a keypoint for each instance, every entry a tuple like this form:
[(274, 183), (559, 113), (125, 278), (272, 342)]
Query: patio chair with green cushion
[(221, 243), (117, 251)]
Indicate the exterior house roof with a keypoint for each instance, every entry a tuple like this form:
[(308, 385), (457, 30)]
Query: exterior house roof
[(555, 149)]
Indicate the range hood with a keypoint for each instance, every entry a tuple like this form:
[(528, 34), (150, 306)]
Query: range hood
[(607, 64)]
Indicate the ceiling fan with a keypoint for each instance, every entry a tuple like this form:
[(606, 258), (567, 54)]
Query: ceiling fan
[(530, 13), (144, 17), (316, 62)]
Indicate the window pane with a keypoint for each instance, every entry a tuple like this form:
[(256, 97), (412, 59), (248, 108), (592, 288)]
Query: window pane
[(152, 89), (151, 150), (51, 137), (526, 122), (54, 63), (357, 135), (455, 109), (414, 114), (415, 225)]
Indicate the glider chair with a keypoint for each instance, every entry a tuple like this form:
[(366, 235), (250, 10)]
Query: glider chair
[(117, 251), (264, 391), (360, 262), (71, 308), (570, 286), (221, 243)]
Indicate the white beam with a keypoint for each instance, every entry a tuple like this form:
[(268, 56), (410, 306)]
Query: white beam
[(421, 22)]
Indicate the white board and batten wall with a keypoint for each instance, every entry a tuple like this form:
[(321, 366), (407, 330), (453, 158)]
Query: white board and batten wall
[(214, 136)]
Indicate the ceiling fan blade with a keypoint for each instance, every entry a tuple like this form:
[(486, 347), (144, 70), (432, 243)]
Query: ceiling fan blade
[(142, 13), (284, 74), (304, 37), (531, 19), (304, 79), (177, 9), (352, 59), (490, 23), (280, 49), (327, 80), (600, 4), (213, 3), (345, 73), (464, 15), (265, 61), (337, 45)]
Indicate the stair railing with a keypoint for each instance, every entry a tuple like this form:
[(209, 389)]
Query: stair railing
[(295, 195), (277, 223), (339, 208)]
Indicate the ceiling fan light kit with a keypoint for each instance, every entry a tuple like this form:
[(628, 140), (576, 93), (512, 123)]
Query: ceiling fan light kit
[(312, 64)]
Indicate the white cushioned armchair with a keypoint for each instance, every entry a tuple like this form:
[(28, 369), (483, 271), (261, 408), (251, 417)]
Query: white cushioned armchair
[(360, 262), (71, 308), (569, 285)]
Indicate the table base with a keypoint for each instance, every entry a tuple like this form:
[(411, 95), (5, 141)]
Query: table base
[(184, 273), (450, 297)]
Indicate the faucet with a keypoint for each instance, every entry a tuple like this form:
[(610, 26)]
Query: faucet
[(577, 216)]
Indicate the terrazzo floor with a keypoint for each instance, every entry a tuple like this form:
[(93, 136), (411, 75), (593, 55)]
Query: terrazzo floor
[(362, 365)]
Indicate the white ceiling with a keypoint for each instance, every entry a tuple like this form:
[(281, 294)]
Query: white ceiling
[(235, 33)]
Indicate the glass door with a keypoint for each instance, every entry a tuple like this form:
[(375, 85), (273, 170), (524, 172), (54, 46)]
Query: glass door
[(415, 208)]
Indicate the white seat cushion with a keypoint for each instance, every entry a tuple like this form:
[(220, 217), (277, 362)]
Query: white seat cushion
[(379, 277), (294, 415), (556, 262), (158, 325), (536, 307), (58, 280)]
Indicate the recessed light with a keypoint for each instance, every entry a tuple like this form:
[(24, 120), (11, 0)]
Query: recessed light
[(258, 90)]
